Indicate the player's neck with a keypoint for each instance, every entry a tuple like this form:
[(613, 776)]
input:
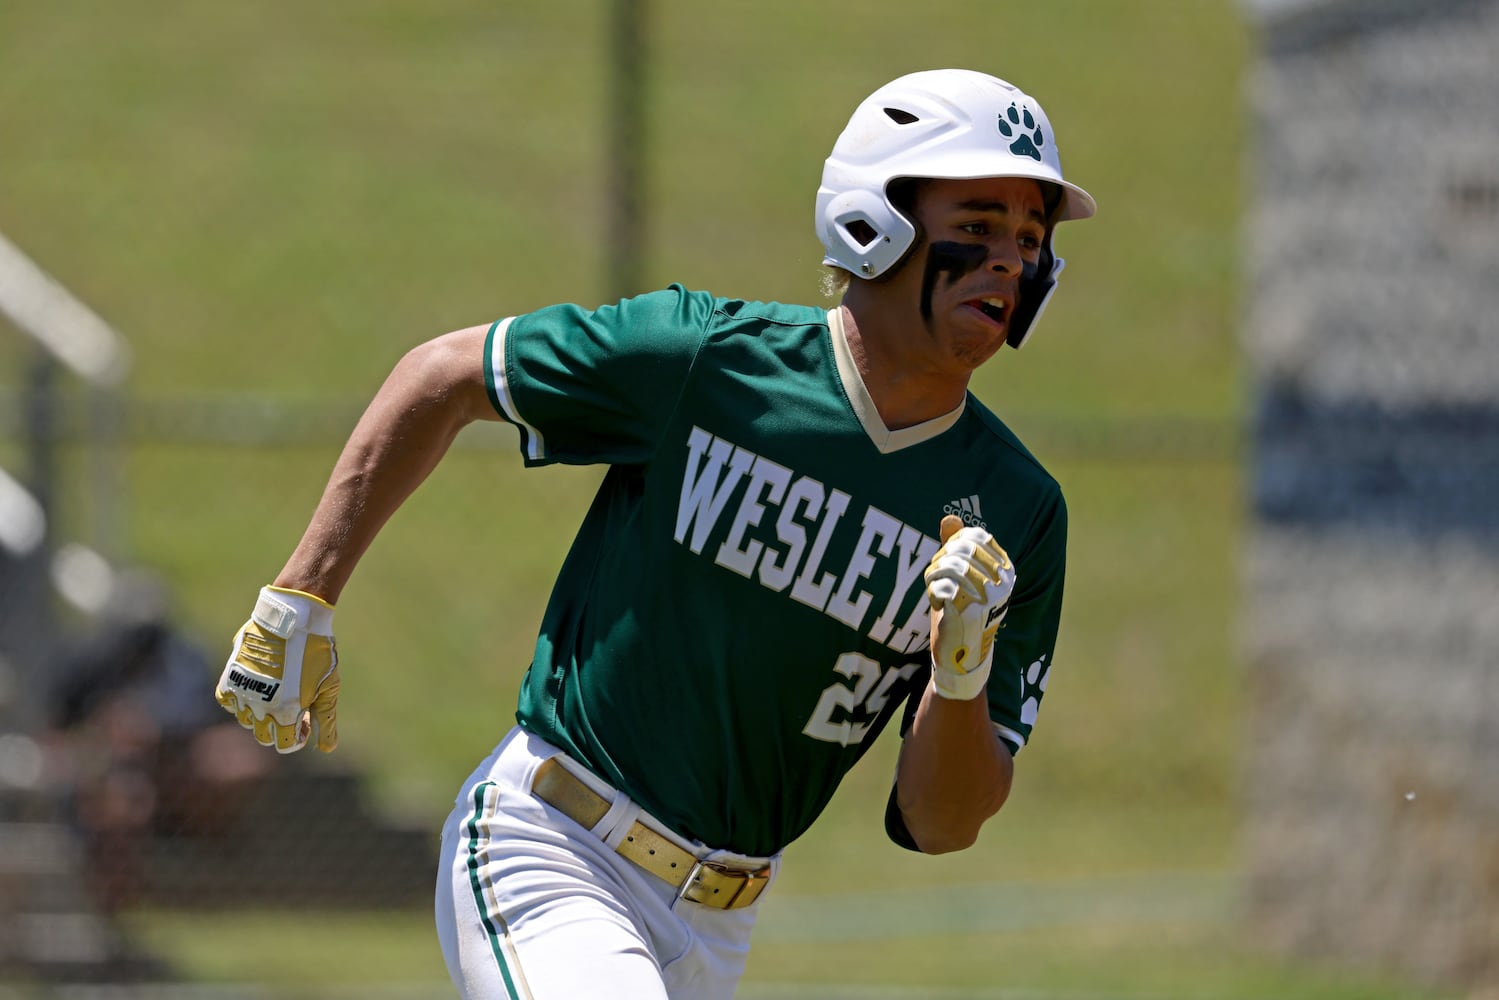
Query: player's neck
[(905, 391)]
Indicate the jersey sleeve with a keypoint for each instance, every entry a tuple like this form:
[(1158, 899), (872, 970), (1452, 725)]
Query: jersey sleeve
[(1026, 644), (587, 386)]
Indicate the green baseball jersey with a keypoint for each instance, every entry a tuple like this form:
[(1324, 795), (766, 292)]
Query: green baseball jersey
[(743, 609)]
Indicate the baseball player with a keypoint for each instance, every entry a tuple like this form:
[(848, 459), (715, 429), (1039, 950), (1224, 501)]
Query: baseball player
[(808, 526)]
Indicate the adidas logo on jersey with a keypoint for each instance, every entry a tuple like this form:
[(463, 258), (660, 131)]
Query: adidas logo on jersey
[(968, 510)]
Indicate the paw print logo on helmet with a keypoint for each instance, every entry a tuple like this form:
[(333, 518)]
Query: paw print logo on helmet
[(1031, 138)]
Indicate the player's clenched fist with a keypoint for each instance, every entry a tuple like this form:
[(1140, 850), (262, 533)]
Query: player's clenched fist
[(968, 585), (282, 681)]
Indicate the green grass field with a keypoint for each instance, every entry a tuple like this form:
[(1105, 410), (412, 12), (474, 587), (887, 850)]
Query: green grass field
[(276, 200)]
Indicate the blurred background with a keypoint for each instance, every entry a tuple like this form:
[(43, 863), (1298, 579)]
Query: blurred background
[(1268, 763)]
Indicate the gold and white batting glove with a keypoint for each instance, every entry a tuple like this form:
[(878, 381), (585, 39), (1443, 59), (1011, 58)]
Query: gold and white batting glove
[(968, 585), (282, 680)]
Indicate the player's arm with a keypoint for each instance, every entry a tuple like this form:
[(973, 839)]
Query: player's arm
[(282, 679), (434, 392), (953, 772)]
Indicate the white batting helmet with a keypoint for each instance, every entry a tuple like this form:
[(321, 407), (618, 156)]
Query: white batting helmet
[(951, 124)]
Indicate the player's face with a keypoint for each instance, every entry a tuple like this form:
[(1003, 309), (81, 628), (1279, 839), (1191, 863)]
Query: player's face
[(980, 238)]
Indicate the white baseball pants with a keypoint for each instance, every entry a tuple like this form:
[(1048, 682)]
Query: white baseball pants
[(533, 906)]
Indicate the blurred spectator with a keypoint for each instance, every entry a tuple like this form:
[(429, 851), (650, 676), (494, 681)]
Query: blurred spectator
[(135, 737)]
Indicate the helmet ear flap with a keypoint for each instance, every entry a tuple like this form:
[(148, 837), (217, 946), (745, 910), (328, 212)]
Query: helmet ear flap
[(864, 234), (1038, 283), (1036, 286)]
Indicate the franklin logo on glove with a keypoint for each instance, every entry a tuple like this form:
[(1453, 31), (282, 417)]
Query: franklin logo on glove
[(281, 681), (266, 691)]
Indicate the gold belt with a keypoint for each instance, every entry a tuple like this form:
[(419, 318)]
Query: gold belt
[(698, 881)]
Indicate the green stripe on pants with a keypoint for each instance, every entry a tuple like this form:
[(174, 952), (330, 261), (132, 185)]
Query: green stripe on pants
[(499, 937)]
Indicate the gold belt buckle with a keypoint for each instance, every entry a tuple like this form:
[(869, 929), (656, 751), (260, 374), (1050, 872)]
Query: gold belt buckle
[(722, 887)]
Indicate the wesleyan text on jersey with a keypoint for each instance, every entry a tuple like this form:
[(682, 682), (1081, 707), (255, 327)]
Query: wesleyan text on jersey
[(779, 533)]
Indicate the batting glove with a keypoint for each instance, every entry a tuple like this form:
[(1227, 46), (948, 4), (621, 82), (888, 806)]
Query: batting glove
[(968, 585), (282, 680)]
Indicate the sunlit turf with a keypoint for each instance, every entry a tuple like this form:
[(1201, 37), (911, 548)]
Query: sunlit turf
[(320, 956)]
